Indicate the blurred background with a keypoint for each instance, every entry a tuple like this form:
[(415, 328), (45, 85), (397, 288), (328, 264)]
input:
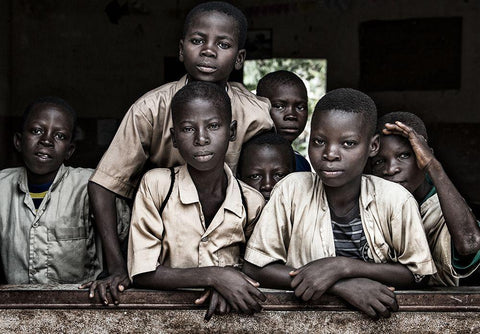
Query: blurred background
[(421, 56)]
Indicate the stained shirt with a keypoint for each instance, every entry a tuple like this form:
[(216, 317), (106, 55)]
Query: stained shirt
[(295, 226), (56, 243), (144, 135), (440, 243), (179, 238)]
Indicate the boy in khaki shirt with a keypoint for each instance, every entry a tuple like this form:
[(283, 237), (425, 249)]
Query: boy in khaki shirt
[(337, 230), (452, 230), (211, 47), (189, 224)]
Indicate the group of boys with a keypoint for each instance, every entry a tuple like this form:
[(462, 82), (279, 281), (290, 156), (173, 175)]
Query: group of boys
[(212, 215)]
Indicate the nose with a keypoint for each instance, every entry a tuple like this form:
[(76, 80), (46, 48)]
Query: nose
[(208, 50), (290, 114), (267, 184), (46, 139), (330, 153), (201, 138), (391, 168)]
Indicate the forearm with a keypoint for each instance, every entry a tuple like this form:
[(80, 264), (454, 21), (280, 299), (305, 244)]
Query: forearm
[(104, 210), (460, 220), (166, 278), (391, 274), (275, 276)]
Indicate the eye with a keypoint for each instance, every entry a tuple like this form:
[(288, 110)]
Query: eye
[(196, 41), (378, 162), (36, 131), (278, 106), (60, 136), (404, 155), (213, 126), (187, 129), (254, 177), (301, 108), (279, 176), (224, 45), (349, 143), (318, 141)]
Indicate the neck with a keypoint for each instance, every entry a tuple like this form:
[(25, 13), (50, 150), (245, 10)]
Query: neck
[(343, 199), (222, 83), (422, 191), (210, 181)]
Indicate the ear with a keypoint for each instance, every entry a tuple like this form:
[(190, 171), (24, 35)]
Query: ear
[(17, 141), (233, 130), (180, 50), (240, 59), (374, 145), (71, 149), (174, 141)]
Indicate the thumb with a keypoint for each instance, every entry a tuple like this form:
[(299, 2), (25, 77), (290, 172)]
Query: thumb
[(203, 298)]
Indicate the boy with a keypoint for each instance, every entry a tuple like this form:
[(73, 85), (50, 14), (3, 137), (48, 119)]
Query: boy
[(265, 160), (288, 95), (452, 230), (46, 234), (189, 223), (336, 230), (212, 45)]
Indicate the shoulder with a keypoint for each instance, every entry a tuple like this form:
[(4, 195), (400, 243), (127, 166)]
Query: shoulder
[(79, 172), (158, 180), (10, 175), (297, 186), (157, 94), (251, 194), (244, 97), (383, 188)]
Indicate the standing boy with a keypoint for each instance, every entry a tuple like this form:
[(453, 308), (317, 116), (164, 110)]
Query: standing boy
[(338, 230), (46, 232), (288, 95), (212, 45), (452, 230), (190, 223), (265, 160)]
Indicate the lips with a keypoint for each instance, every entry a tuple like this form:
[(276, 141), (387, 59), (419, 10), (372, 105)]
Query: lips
[(203, 156), (331, 172), (288, 130), (206, 68), (43, 156)]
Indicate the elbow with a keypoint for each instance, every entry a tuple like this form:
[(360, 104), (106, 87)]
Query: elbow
[(468, 248)]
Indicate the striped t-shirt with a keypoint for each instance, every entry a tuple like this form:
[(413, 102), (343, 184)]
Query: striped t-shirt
[(348, 235), (38, 192)]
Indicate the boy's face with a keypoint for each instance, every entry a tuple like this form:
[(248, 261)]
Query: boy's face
[(396, 162), (201, 133), (45, 142), (340, 146), (264, 166), (289, 110), (209, 49)]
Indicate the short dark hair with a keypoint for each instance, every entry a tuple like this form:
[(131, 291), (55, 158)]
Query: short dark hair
[(264, 139), (275, 79), (406, 118), (221, 7), (52, 101), (350, 100), (205, 91)]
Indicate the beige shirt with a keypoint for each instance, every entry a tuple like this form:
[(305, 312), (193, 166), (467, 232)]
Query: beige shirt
[(295, 227), (56, 243), (440, 244), (144, 135), (178, 238)]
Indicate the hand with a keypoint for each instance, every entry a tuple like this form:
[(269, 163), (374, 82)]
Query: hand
[(423, 152), (217, 305), (312, 280), (371, 297), (115, 283), (239, 290)]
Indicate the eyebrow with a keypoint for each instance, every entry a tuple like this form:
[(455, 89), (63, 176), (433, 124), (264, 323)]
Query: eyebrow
[(217, 37)]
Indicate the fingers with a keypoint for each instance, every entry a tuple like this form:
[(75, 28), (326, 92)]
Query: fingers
[(381, 309), (102, 292), (211, 306), (93, 287), (114, 291), (203, 298), (257, 294), (85, 285)]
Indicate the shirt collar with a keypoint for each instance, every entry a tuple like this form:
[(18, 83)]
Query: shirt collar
[(189, 195), (23, 180)]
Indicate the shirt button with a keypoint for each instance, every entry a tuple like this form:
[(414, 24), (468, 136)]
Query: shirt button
[(35, 224), (204, 239)]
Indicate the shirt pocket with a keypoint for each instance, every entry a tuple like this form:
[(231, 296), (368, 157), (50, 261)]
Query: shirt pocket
[(71, 254)]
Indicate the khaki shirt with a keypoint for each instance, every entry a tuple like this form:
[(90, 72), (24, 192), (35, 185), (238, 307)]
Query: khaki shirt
[(295, 226), (56, 243), (144, 135), (178, 238), (440, 244)]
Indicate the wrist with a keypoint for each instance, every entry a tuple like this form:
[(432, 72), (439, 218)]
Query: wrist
[(433, 166)]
